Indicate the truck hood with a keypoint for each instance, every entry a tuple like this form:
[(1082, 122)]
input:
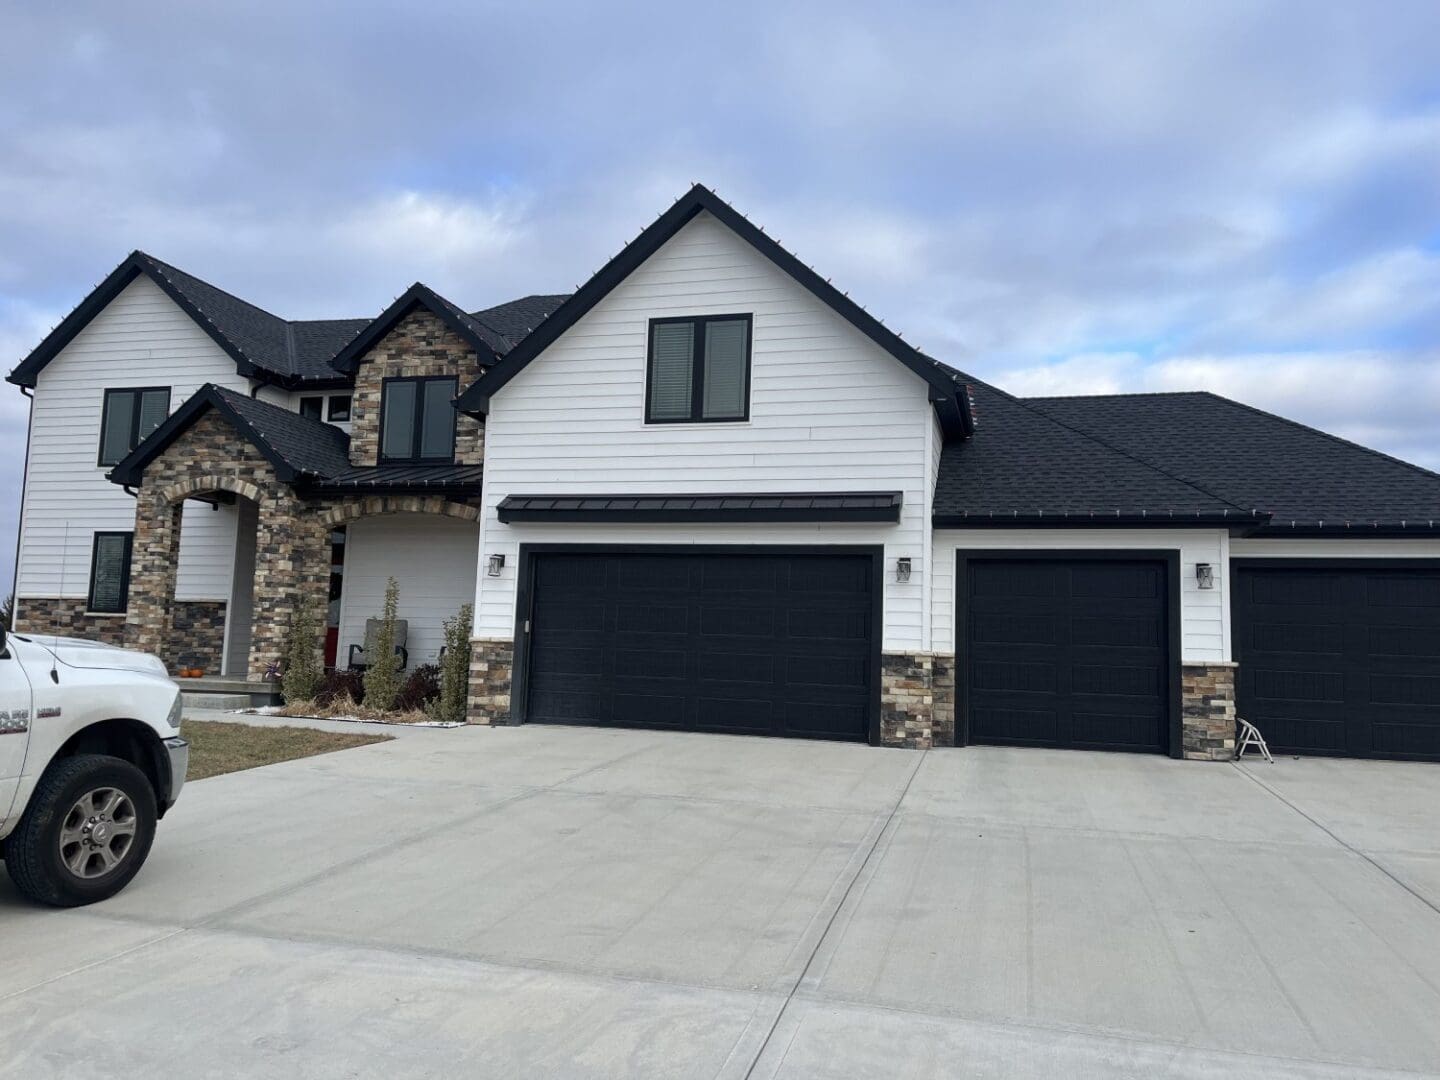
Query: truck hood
[(79, 653)]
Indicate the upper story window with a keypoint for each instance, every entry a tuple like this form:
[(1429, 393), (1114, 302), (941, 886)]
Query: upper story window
[(337, 409), (127, 417), (310, 407), (698, 369), (417, 419)]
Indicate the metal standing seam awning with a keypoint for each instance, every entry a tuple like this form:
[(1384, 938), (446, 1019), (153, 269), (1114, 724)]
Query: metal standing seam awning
[(827, 506)]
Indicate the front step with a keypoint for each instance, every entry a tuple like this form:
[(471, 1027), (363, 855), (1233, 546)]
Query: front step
[(235, 693), (195, 699)]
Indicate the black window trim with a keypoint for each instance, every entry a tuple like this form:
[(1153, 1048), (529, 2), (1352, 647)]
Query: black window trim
[(416, 436), (90, 608), (697, 376), (319, 399), (134, 436), (330, 408)]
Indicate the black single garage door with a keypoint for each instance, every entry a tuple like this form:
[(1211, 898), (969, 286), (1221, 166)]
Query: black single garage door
[(752, 644), (1338, 659), (1069, 653)]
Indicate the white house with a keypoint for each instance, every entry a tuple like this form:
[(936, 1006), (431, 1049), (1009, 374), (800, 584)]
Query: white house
[(709, 492)]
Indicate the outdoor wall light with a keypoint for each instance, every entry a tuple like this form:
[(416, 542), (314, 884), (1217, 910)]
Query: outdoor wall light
[(494, 564), (1204, 575), (902, 568)]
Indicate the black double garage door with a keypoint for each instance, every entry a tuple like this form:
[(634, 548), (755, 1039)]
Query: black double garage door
[(767, 642)]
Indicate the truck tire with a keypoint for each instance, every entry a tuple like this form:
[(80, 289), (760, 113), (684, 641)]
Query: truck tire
[(86, 832)]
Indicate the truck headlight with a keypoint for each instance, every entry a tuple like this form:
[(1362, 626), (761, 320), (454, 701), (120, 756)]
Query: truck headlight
[(174, 718)]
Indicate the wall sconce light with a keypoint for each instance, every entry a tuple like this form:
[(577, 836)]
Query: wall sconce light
[(1204, 575), (493, 565), (902, 568)]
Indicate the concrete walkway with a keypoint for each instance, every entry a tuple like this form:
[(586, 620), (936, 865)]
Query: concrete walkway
[(586, 903)]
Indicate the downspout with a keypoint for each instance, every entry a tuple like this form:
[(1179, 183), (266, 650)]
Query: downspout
[(20, 524)]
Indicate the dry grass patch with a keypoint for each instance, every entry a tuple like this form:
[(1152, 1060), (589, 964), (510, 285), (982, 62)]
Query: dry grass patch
[(345, 708), (217, 747)]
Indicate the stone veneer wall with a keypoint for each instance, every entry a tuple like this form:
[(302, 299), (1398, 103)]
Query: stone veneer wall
[(292, 553), (66, 617), (1207, 725), (492, 667), (197, 636), (907, 700), (943, 690), (420, 344)]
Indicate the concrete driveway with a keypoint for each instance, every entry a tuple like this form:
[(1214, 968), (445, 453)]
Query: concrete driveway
[(574, 902)]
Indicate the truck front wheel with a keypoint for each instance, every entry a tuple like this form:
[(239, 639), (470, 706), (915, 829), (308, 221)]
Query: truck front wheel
[(86, 832)]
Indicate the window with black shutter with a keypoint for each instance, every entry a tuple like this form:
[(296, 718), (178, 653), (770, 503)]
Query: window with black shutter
[(110, 573), (129, 415), (698, 369)]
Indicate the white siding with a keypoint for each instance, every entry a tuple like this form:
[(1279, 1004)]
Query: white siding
[(433, 561), (141, 339), (829, 410), (1334, 549), (1204, 613)]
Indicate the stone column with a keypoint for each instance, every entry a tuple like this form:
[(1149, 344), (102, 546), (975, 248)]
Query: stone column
[(1207, 725), (492, 667), (907, 700), (292, 561), (154, 554)]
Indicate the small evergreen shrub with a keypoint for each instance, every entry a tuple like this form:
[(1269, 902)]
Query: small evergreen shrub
[(303, 671), (382, 677), (449, 706)]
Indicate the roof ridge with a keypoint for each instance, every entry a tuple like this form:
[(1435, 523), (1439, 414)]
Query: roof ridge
[(163, 267), (1024, 404), (1121, 394), (1321, 432)]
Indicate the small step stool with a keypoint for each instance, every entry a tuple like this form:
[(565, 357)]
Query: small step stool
[(1250, 736)]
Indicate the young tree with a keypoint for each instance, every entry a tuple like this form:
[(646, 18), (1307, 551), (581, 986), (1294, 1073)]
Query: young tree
[(455, 667), (382, 676), (303, 669), (7, 612)]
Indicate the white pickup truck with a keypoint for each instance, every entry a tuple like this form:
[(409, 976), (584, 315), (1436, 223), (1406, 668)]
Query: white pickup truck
[(90, 759)]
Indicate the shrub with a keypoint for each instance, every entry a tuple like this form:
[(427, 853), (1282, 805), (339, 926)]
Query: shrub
[(421, 688), (382, 676), (303, 672), (455, 668), (341, 686)]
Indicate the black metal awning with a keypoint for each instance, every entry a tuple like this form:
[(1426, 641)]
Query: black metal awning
[(853, 506)]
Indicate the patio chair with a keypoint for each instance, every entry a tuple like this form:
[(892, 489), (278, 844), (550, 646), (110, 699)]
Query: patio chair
[(372, 630)]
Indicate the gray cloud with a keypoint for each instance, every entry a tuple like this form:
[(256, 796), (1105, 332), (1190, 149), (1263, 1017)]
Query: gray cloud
[(1206, 192)]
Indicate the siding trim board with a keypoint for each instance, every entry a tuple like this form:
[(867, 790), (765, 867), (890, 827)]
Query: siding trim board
[(525, 596), (1170, 558)]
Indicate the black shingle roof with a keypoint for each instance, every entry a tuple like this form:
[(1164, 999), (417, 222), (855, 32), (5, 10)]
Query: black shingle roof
[(1302, 477), (291, 352), (305, 452), (714, 506), (1023, 467)]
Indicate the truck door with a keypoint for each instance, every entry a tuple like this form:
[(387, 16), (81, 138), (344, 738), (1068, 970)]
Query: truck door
[(15, 721)]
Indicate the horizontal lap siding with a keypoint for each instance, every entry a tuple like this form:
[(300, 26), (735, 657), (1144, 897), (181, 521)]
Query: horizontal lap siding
[(431, 558), (1204, 613), (830, 411), (141, 339)]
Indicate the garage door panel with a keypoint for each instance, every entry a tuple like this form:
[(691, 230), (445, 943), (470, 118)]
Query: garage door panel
[(1013, 629), (1112, 582), (1115, 730), (1326, 639), (1011, 582), (1015, 677), (1039, 727), (704, 641), (1355, 672), (1142, 632), (1117, 680), (1278, 684), (1407, 642)]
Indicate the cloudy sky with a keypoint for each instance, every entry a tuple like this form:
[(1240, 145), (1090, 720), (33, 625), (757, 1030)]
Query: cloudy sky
[(1060, 198)]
